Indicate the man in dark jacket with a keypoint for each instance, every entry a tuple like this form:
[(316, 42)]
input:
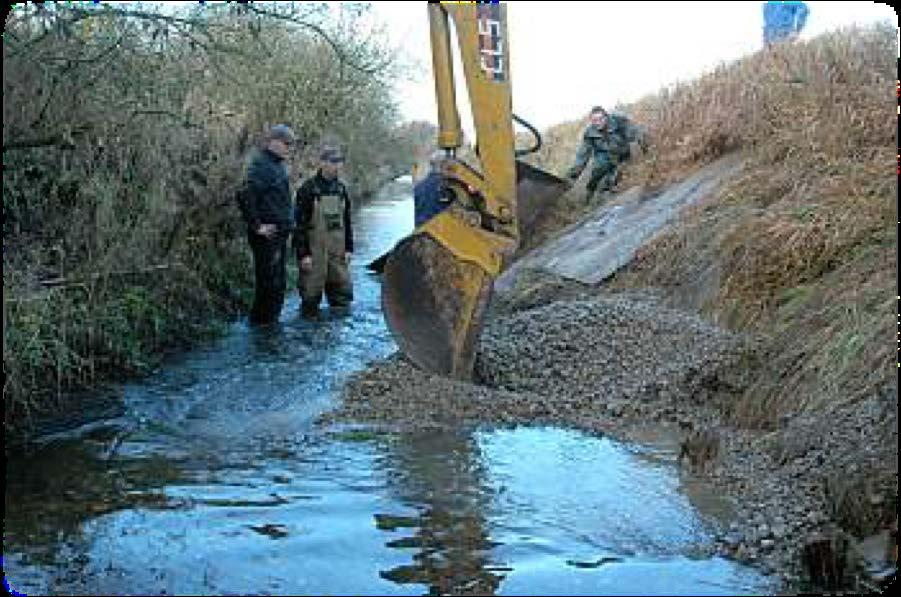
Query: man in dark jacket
[(324, 239), (265, 201), (431, 196)]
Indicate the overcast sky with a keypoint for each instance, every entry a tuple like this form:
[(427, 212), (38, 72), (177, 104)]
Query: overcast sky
[(567, 56)]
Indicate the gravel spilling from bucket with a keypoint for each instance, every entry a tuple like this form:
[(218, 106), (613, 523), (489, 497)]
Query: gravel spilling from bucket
[(584, 362), (603, 351)]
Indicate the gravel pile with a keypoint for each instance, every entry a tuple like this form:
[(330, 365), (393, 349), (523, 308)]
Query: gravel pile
[(615, 353), (395, 394), (596, 364)]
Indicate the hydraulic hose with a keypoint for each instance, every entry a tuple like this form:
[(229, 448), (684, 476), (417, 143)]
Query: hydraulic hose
[(535, 133)]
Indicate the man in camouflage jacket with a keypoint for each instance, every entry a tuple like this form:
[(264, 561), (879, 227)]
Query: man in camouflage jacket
[(606, 146)]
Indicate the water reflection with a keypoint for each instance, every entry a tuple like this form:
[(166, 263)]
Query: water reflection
[(51, 494), (266, 340), (443, 475), (548, 511)]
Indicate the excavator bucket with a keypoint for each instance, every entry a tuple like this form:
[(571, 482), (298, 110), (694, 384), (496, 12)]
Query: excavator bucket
[(437, 282), (377, 265), (434, 304)]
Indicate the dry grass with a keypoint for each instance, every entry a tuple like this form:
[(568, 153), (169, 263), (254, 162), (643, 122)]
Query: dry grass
[(802, 245)]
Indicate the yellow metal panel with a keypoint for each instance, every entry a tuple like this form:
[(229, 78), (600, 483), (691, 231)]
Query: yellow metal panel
[(467, 243), (484, 50)]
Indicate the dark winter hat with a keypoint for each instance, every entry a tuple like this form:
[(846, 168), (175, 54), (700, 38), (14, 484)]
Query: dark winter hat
[(331, 154), (282, 132)]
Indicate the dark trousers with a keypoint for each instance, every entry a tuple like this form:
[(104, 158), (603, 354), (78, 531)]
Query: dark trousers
[(269, 263), (603, 175)]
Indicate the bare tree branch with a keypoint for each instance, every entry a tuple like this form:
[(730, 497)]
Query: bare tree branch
[(56, 282), (34, 142), (58, 76), (137, 14), (183, 118), (339, 52), (64, 139), (71, 61)]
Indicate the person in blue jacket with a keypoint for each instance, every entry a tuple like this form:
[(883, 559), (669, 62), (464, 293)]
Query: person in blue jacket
[(430, 195), (783, 21)]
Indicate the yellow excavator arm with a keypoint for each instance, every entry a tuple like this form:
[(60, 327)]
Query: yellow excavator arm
[(437, 282), (482, 32)]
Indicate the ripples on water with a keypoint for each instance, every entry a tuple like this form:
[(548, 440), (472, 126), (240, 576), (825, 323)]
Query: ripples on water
[(223, 485)]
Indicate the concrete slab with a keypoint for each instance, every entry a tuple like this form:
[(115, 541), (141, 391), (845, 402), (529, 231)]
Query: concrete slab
[(595, 248)]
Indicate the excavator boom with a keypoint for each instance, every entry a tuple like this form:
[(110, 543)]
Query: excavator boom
[(437, 282)]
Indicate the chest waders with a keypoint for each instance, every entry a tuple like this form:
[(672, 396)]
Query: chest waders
[(329, 272)]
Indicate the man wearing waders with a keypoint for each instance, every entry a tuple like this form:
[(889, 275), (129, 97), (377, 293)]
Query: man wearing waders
[(323, 238)]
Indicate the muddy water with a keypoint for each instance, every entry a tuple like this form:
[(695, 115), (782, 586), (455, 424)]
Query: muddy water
[(218, 482)]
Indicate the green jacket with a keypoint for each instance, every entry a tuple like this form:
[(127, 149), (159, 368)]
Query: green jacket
[(605, 147)]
